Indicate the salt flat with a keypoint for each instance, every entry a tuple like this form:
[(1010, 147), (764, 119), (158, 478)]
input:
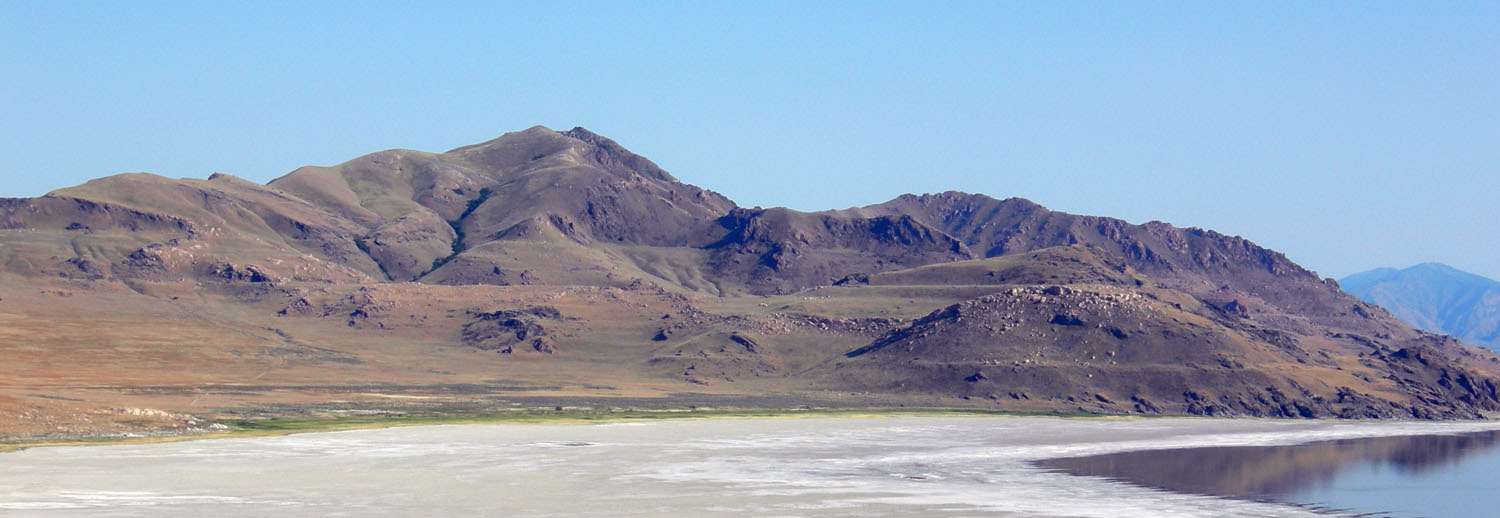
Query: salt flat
[(885, 466)]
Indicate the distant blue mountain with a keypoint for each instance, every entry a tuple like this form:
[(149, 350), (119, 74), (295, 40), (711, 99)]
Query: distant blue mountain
[(1436, 298)]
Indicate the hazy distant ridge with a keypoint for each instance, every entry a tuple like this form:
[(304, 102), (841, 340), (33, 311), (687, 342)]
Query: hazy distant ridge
[(1437, 298)]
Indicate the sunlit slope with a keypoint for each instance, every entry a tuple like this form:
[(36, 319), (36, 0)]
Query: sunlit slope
[(559, 265)]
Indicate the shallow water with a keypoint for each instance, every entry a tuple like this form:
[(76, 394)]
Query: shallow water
[(1436, 476), (908, 466)]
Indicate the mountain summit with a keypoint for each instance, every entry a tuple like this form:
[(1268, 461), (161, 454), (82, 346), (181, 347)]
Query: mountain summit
[(560, 268), (420, 211)]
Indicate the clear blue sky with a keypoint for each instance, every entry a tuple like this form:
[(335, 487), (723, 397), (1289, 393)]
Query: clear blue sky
[(1348, 135)]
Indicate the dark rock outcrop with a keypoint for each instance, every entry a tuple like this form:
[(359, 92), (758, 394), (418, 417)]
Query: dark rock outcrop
[(502, 331)]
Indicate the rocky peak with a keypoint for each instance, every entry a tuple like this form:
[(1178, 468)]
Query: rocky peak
[(615, 158)]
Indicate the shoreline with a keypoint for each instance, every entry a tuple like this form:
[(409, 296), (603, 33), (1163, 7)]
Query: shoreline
[(869, 459), (270, 427), (274, 426)]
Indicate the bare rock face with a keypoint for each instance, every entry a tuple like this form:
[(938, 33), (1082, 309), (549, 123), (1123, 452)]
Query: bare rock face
[(246, 273), (748, 343), (504, 330), (780, 250)]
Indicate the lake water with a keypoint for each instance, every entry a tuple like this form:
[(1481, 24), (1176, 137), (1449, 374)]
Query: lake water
[(1435, 476), (907, 466)]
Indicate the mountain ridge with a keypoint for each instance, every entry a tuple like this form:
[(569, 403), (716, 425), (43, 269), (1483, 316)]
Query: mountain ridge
[(1437, 298), (561, 259)]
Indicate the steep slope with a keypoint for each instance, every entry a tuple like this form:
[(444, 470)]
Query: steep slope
[(555, 191), (1436, 298)]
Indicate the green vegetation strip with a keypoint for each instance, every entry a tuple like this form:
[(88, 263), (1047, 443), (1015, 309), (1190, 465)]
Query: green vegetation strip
[(263, 427)]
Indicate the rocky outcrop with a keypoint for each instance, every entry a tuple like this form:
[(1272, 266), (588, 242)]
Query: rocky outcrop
[(246, 273), (510, 331), (1112, 350), (781, 250)]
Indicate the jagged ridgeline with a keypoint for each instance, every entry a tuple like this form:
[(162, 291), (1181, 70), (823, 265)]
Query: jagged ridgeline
[(563, 264)]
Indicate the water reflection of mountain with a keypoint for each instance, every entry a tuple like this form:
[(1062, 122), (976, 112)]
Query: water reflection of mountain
[(1267, 471)]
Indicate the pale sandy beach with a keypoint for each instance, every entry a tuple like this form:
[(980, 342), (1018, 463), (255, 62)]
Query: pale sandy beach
[(892, 466)]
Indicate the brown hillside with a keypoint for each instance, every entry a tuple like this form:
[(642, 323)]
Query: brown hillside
[(549, 268)]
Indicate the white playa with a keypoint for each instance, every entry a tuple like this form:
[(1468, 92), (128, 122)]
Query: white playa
[(897, 466)]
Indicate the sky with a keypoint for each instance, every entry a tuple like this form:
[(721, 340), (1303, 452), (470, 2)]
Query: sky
[(1347, 135)]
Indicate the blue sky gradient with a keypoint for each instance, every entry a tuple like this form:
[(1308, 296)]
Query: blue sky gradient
[(1348, 135)]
